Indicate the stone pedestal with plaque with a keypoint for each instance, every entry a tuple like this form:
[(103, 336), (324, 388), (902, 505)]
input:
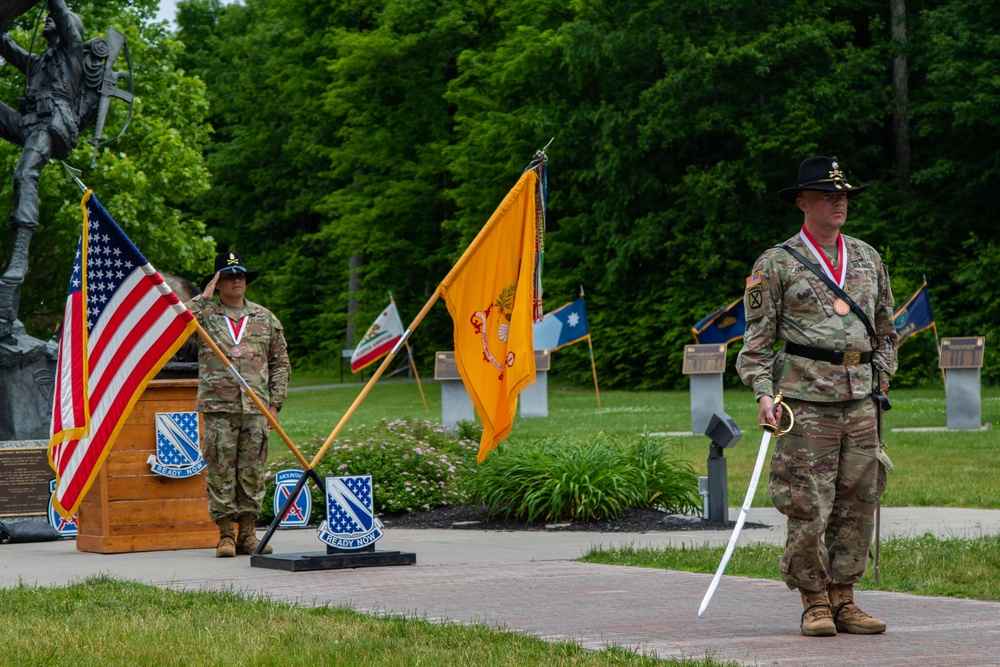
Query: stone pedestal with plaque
[(962, 361), (24, 479), (534, 400), (128, 507), (456, 406), (704, 364)]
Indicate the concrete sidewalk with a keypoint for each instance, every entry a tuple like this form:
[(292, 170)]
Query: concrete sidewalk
[(528, 582)]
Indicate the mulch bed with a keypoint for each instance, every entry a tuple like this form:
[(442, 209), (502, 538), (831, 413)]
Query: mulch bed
[(473, 517)]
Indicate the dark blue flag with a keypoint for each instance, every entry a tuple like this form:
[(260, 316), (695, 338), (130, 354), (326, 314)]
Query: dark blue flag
[(914, 316), (563, 326), (723, 326)]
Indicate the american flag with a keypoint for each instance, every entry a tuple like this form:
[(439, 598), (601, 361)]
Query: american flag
[(120, 326)]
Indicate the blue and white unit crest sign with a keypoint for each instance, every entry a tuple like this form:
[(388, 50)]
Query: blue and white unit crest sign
[(178, 449), (350, 520)]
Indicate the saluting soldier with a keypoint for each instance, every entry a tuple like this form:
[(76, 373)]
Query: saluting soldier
[(235, 435), (825, 474)]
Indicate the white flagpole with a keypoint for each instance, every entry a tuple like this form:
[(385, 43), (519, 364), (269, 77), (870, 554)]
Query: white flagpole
[(409, 353)]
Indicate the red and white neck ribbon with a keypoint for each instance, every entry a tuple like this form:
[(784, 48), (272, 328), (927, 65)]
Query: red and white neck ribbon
[(836, 274), (236, 331)]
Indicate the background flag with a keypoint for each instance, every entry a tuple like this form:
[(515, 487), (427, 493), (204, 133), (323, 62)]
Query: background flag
[(723, 326), (120, 325), (563, 326), (914, 316), (490, 294), (379, 340)]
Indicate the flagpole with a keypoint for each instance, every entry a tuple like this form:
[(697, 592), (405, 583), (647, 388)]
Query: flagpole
[(409, 353), (481, 237), (374, 378), (937, 343), (462, 261), (593, 366), (253, 397)]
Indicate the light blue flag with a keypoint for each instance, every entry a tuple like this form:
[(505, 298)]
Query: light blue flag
[(563, 326)]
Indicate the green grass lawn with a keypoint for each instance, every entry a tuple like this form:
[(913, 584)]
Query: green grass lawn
[(114, 622), (103, 621), (933, 469), (924, 565)]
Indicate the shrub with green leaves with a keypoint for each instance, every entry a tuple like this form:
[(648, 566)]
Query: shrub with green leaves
[(555, 480), (415, 465)]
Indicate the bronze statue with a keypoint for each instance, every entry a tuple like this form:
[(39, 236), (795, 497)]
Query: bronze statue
[(46, 122), (67, 88)]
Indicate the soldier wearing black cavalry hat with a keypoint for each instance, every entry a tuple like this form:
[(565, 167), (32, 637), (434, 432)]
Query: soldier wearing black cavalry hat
[(235, 437), (827, 296)]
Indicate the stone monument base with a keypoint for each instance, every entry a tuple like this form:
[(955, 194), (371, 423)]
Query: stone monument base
[(24, 480), (27, 372)]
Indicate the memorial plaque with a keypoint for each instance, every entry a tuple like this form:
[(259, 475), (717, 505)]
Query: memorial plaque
[(24, 480), (445, 367), (962, 352), (542, 360), (699, 359)]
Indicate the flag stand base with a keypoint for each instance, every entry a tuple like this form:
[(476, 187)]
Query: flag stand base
[(333, 559)]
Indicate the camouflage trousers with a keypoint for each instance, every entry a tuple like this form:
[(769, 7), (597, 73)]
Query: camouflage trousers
[(235, 451), (826, 478)]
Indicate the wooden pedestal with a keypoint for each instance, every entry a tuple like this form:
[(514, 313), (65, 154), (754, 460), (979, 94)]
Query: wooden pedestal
[(128, 508)]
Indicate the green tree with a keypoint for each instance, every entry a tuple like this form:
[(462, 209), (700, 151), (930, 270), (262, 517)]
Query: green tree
[(146, 180)]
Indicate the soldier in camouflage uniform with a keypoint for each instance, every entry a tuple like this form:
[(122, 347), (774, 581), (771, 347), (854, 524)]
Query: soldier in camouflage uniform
[(825, 474), (235, 441)]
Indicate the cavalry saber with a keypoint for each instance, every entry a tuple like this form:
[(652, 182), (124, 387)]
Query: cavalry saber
[(754, 478)]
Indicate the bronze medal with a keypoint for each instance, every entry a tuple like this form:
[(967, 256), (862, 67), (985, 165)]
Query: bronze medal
[(840, 307), (236, 352)]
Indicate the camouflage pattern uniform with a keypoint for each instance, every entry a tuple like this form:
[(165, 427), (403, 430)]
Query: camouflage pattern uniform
[(825, 475), (235, 438)]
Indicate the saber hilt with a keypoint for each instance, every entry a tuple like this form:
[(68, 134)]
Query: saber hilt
[(777, 431)]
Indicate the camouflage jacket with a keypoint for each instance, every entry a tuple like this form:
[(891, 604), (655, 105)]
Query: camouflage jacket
[(264, 364), (785, 301)]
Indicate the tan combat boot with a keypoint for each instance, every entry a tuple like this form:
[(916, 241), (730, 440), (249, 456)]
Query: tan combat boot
[(848, 617), (227, 545), (817, 619), (248, 539)]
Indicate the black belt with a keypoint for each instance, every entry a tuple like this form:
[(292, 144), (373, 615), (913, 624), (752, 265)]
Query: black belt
[(831, 356)]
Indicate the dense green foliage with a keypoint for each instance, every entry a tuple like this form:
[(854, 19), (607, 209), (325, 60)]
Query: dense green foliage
[(415, 465), (146, 180), (383, 133), (600, 479), (389, 130)]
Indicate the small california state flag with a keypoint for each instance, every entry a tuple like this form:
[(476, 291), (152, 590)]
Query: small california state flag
[(379, 340)]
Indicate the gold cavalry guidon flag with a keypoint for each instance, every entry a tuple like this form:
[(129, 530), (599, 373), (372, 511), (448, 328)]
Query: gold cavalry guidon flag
[(492, 297)]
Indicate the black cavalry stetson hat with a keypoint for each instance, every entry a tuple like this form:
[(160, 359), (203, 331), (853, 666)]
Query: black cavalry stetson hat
[(230, 262), (822, 174)]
